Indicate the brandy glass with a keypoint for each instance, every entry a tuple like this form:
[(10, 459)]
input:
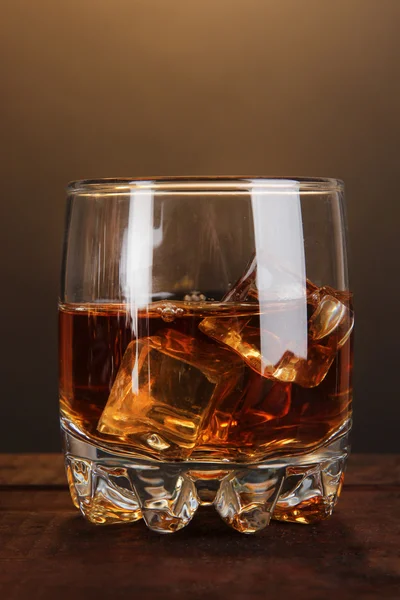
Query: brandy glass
[(205, 349)]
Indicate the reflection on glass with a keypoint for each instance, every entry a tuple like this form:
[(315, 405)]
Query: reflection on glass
[(205, 350)]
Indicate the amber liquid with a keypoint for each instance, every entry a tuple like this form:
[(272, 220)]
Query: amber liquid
[(238, 415)]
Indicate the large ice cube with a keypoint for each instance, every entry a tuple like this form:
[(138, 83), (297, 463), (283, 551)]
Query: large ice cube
[(165, 387)]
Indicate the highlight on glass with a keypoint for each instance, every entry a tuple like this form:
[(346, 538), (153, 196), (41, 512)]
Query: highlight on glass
[(205, 349)]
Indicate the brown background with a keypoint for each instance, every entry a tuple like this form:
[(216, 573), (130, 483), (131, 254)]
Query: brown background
[(93, 88)]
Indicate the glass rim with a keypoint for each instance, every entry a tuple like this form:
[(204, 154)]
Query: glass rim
[(229, 183)]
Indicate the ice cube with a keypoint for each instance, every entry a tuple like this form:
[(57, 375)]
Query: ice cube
[(164, 389), (331, 318), (272, 356), (315, 294), (245, 340), (307, 372)]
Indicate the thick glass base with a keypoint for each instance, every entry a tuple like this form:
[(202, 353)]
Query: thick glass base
[(113, 487)]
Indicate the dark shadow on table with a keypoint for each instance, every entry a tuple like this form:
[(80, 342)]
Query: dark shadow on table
[(318, 561)]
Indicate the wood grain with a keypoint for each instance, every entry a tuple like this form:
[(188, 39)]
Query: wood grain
[(32, 469), (48, 551)]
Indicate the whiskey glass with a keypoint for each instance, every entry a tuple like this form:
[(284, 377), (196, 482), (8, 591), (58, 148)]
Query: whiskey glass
[(205, 349)]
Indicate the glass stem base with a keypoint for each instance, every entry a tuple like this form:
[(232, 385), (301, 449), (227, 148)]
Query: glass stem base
[(110, 487)]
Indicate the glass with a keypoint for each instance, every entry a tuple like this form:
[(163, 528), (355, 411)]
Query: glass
[(205, 349)]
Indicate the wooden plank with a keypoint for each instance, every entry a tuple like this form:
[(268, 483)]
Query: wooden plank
[(32, 469), (373, 469), (48, 551)]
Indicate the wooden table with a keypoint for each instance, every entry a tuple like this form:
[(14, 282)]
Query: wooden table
[(47, 551)]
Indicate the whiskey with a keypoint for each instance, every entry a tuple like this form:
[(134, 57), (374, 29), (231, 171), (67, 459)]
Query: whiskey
[(236, 394), (241, 400), (184, 380)]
